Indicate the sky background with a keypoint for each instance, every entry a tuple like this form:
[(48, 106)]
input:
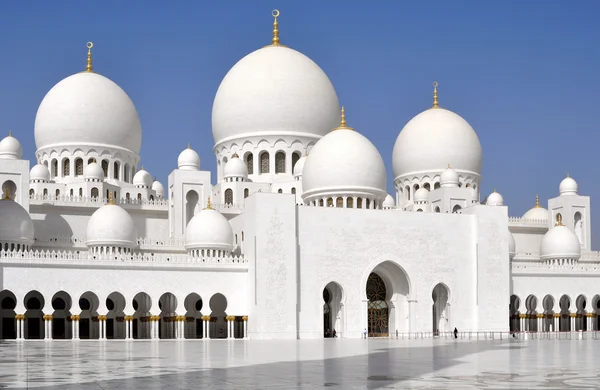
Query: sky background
[(523, 74)]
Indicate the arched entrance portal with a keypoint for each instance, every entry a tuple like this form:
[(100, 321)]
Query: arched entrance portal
[(378, 307), (333, 321), (440, 309)]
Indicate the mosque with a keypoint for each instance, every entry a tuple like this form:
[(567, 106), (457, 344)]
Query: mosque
[(298, 236)]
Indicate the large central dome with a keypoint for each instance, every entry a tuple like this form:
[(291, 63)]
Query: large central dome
[(274, 90), (88, 109)]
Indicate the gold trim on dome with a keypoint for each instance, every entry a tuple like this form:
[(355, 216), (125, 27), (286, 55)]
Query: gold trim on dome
[(88, 67), (343, 125), (435, 95)]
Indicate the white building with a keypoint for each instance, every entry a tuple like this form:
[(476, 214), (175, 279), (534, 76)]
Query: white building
[(301, 236)]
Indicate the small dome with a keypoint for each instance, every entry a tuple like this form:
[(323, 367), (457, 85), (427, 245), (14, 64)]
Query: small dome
[(512, 246), (111, 226), (495, 199), (421, 195), (344, 161), (449, 178), (10, 148), (299, 166), (92, 171), (142, 179), (568, 186), (16, 226), (235, 167), (537, 212), (39, 172), (158, 188), (209, 229), (560, 243), (188, 160), (388, 202)]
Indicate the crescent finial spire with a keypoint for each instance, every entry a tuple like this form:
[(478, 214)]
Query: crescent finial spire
[(88, 67)]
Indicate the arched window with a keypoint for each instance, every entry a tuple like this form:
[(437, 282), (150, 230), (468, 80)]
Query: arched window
[(192, 199), (437, 209), (578, 226), (71, 192), (339, 202), (54, 168), (128, 196), (264, 162), (139, 197), (349, 202), (242, 236), (368, 204), (250, 163), (81, 192), (66, 167), (280, 191), (456, 208), (126, 173), (78, 166), (31, 192), (57, 193), (91, 160), (116, 170), (293, 190), (468, 185), (427, 186), (419, 210), (151, 197), (407, 193), (45, 192), (359, 203), (321, 202), (229, 196), (280, 162), (246, 192), (105, 167), (329, 202), (95, 193), (436, 185), (295, 158)]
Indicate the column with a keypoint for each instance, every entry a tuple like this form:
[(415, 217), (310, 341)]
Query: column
[(182, 333), (522, 322), (245, 322), (50, 326), (127, 327), (540, 324), (76, 335), (155, 327), (205, 320), (588, 318), (573, 315), (46, 327), (556, 322), (102, 320), (20, 327)]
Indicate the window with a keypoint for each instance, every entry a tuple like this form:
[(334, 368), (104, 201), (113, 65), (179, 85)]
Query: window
[(246, 192), (57, 192), (45, 192), (359, 203), (95, 193), (280, 162), (264, 162), (427, 186), (54, 168), (66, 167), (71, 192), (329, 202), (228, 196), (81, 192), (105, 167), (295, 158), (349, 202), (139, 196), (78, 167), (368, 205), (339, 202), (91, 160), (293, 190), (436, 186), (280, 191), (126, 173), (31, 192), (250, 163), (321, 202), (437, 209), (116, 170), (407, 193)]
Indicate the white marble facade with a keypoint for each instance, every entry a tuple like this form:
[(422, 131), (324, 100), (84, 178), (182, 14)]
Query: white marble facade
[(297, 238)]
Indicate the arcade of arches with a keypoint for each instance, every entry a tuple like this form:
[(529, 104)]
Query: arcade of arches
[(61, 319), (551, 315)]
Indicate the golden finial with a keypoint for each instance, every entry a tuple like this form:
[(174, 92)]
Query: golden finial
[(343, 125), (568, 174), (208, 204), (6, 194), (88, 68), (235, 155), (111, 200), (10, 133), (494, 190), (189, 147), (143, 167), (435, 95), (537, 201), (559, 219), (449, 167), (275, 40)]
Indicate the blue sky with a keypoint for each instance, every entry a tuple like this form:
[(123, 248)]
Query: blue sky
[(523, 74)]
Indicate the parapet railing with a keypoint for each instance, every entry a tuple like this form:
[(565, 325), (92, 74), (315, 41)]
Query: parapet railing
[(144, 243), (527, 221), (66, 200), (496, 335)]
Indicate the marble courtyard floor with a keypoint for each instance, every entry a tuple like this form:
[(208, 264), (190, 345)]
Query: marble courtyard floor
[(306, 364)]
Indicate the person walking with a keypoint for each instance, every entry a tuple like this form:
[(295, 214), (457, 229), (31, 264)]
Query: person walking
[(455, 333)]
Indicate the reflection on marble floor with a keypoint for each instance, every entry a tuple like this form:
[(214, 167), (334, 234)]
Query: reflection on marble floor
[(342, 364)]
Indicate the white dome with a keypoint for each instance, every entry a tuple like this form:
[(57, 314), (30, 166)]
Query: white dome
[(235, 167), (388, 202), (93, 171), (568, 186), (188, 160), (16, 226), (10, 148), (159, 188), (142, 179), (495, 199), (111, 226), (449, 178), (536, 212), (88, 109), (512, 246), (432, 140), (299, 166), (209, 230), (421, 195), (560, 243), (344, 161), (274, 90), (39, 172)]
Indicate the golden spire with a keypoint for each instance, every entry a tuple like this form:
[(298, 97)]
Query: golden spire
[(10, 133), (435, 95), (275, 40), (208, 205), (449, 167), (189, 147), (143, 167), (559, 219), (6, 194), (111, 200), (235, 155), (343, 125), (537, 201), (88, 68), (568, 174)]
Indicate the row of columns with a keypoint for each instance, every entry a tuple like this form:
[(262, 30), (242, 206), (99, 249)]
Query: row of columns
[(178, 320), (524, 320)]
